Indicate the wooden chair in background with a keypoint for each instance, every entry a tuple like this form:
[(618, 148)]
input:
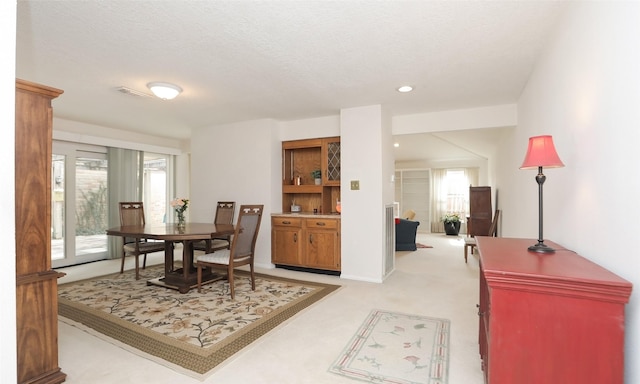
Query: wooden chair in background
[(132, 213), (470, 241), (243, 244), (224, 215)]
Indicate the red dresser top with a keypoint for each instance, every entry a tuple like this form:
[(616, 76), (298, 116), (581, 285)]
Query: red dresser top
[(507, 263)]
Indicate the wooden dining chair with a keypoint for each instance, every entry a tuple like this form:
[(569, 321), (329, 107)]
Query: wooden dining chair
[(224, 215), (470, 241), (241, 252), (132, 213)]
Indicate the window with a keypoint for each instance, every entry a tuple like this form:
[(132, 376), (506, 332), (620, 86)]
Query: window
[(456, 187), (78, 204), (80, 195), (451, 193), (155, 187)]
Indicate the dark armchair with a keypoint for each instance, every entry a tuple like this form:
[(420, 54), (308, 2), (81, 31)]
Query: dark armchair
[(406, 234)]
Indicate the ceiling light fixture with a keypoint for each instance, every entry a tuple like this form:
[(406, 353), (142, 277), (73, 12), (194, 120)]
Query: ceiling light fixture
[(165, 91), (405, 88), (396, 145)]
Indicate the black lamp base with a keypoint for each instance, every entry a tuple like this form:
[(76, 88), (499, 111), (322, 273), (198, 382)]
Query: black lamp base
[(541, 248)]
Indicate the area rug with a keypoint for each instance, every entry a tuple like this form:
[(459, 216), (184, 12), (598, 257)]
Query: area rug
[(423, 246), (397, 348), (193, 332)]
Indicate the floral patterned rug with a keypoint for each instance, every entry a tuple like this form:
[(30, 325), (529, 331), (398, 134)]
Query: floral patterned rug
[(396, 348), (192, 332)]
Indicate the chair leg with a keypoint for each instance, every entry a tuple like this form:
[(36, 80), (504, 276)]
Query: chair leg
[(466, 248), (230, 278), (199, 269), (137, 267), (122, 263), (253, 278)]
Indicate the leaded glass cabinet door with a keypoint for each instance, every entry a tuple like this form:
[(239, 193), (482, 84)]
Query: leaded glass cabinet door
[(331, 159)]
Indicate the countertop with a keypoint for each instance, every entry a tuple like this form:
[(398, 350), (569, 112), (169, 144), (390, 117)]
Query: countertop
[(308, 214)]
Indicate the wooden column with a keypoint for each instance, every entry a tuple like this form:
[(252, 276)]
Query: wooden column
[(36, 282)]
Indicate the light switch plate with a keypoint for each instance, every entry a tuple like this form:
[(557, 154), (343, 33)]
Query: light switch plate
[(355, 185)]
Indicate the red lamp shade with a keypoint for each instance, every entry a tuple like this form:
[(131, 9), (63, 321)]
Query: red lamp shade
[(541, 153)]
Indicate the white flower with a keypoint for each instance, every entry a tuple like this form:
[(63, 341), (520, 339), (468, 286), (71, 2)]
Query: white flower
[(180, 204)]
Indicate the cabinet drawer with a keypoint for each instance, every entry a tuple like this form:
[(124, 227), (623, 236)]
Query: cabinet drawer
[(322, 223), (287, 221)]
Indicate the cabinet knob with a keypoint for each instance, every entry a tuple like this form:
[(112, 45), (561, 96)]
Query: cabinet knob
[(286, 222), (295, 237), (320, 224)]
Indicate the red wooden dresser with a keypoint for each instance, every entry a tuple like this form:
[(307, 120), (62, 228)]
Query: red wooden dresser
[(548, 318)]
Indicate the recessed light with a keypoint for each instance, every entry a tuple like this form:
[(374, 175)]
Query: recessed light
[(396, 145), (405, 88)]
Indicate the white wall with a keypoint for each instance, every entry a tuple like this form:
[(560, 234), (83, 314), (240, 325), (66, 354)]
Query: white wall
[(236, 162), (366, 156), (326, 126), (253, 175), (79, 132), (455, 120), (8, 360), (585, 91)]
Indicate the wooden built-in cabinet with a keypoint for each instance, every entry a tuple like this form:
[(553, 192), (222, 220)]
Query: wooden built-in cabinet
[(331, 161), (306, 241), (286, 240), (36, 282), (548, 318), (480, 212), (309, 239), (299, 159)]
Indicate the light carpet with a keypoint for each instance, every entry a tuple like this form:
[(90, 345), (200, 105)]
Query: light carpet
[(397, 348), (193, 332)]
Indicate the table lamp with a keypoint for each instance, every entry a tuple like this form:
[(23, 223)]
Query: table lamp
[(541, 153)]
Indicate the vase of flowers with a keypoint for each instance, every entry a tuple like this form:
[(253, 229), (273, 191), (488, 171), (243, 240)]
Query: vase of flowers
[(451, 223), (180, 206)]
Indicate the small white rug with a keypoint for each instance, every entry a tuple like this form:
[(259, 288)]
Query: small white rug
[(396, 348)]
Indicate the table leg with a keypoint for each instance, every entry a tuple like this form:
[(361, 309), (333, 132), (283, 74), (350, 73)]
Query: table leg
[(185, 278), (168, 257), (187, 259)]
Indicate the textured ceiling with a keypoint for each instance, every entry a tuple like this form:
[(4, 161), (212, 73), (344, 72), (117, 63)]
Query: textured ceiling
[(242, 60)]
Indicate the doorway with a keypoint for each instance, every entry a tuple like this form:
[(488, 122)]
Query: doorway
[(79, 200), (78, 204)]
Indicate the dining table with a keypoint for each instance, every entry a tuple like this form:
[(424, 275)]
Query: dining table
[(184, 278)]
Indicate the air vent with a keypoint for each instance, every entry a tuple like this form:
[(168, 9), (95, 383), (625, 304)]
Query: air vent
[(132, 92)]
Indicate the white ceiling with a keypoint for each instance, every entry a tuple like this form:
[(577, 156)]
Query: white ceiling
[(243, 60)]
